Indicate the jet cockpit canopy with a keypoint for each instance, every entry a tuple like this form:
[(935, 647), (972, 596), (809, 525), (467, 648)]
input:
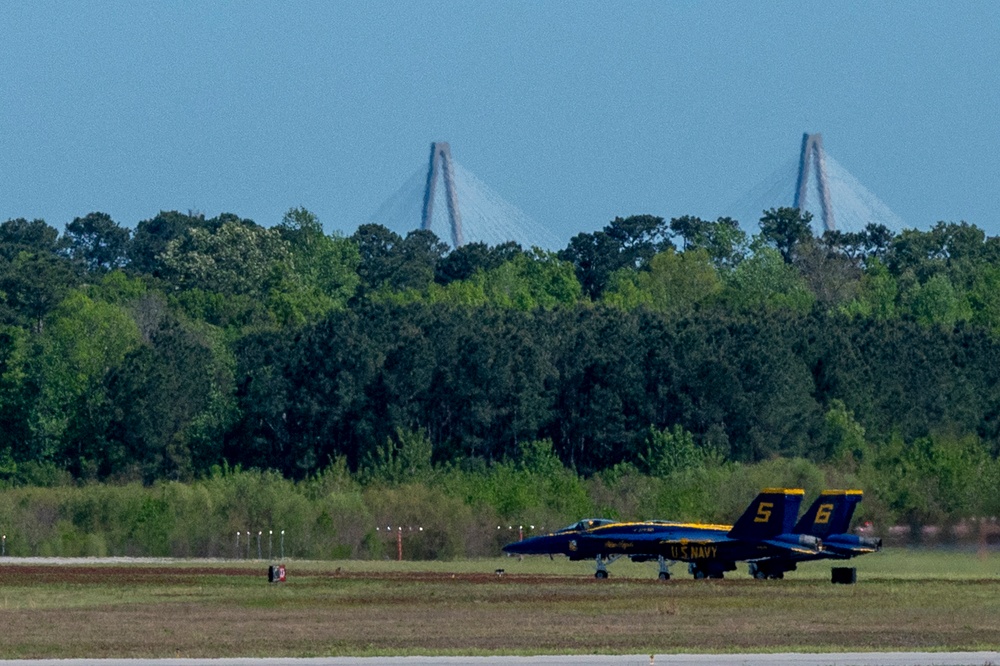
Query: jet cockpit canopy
[(585, 524)]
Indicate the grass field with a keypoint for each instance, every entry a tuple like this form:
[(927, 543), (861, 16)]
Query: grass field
[(903, 600)]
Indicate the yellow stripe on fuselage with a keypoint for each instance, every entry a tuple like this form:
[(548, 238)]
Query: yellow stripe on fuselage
[(664, 523), (842, 492), (706, 526)]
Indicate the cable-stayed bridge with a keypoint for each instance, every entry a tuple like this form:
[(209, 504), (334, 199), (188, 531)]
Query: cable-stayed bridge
[(449, 200), (800, 183), (459, 208)]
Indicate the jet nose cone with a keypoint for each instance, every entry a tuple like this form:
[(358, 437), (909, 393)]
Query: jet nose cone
[(516, 548), (530, 546)]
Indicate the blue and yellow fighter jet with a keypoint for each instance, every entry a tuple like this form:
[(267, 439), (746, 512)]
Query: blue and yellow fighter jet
[(828, 519), (763, 531)]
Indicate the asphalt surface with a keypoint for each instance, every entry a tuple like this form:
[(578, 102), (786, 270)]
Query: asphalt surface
[(780, 659)]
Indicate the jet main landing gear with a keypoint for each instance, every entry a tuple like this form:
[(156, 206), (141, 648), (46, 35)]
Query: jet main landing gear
[(602, 566), (664, 571)]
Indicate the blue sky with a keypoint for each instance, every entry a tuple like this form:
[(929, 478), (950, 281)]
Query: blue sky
[(573, 111)]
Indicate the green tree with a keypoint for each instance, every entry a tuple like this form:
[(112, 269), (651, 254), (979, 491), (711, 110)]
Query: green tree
[(16, 398), (877, 294), (625, 243), (34, 237), (169, 406), (152, 236), (599, 408), (984, 298), (740, 382), (843, 437), (464, 262), (34, 276), (32, 285), (83, 341), (623, 291), (235, 258), (723, 240), (405, 457), (764, 279), (936, 302), (674, 283), (390, 262), (927, 480), (97, 242), (786, 229), (328, 264), (831, 276), (595, 258), (953, 249), (877, 241), (531, 280), (670, 450)]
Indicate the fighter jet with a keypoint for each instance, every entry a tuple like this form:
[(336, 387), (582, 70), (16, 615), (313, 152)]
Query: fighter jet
[(828, 519), (764, 530)]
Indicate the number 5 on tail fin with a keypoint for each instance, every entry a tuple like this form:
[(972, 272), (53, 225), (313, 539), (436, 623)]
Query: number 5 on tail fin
[(772, 513)]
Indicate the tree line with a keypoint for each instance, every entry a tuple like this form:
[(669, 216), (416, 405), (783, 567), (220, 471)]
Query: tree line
[(189, 344)]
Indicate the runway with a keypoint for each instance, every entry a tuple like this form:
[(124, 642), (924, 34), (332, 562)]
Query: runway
[(779, 659)]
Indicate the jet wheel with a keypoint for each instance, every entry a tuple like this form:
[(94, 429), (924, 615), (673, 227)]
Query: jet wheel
[(664, 575), (600, 575), (699, 574)]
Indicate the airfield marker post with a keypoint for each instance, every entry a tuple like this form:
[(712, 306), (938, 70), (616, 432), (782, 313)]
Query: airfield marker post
[(3, 546), (282, 544), (270, 533), (259, 534), (237, 544), (399, 536), (248, 544)]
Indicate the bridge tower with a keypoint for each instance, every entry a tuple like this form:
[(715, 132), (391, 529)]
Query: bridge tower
[(441, 162), (812, 150)]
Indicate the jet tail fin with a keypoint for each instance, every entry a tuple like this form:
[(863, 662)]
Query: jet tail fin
[(831, 513), (773, 512)]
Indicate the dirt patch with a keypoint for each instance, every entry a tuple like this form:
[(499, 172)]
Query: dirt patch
[(20, 574), (490, 577)]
